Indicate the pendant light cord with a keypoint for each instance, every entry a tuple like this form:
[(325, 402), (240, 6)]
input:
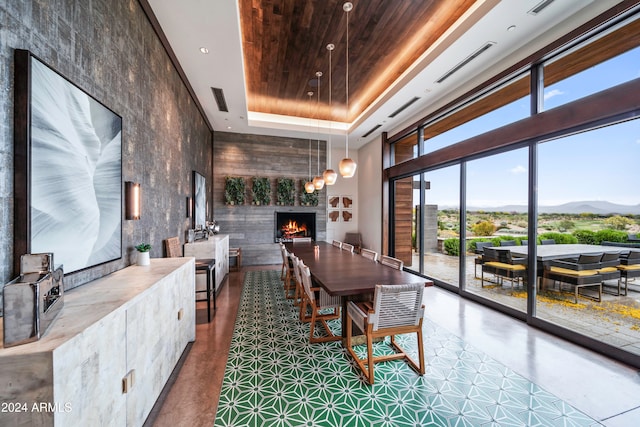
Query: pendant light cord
[(347, 88)]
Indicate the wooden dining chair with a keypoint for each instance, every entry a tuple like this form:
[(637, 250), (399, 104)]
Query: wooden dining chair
[(337, 244), (369, 254), (297, 280), (391, 262), (347, 247), (317, 299), (397, 309), (287, 272)]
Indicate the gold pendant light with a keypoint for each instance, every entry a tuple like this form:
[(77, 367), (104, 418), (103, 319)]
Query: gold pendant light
[(318, 180), (330, 176), (347, 165)]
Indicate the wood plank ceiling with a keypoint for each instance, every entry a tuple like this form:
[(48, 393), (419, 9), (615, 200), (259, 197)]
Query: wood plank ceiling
[(284, 45)]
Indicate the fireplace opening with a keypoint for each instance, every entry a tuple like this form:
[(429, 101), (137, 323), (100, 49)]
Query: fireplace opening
[(294, 225)]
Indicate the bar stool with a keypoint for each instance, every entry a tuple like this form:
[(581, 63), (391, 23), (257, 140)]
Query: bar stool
[(208, 267)]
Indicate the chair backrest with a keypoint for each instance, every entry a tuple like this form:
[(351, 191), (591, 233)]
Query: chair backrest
[(589, 258), (337, 244), (295, 261), (481, 245), (391, 262), (633, 256), (368, 253), (548, 242), (353, 238), (285, 254), (306, 281), (347, 247), (397, 305), (302, 240), (524, 242), (610, 259), (507, 242), (172, 247), (489, 254)]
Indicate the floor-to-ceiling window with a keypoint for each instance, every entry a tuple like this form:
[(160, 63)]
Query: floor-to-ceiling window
[(564, 172), (496, 212), (588, 194)]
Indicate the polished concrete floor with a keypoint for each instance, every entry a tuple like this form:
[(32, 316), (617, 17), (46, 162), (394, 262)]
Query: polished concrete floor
[(604, 389)]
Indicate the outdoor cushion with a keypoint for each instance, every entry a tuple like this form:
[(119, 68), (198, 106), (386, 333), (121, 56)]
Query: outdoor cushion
[(629, 267), (607, 270), (574, 273), (505, 265)]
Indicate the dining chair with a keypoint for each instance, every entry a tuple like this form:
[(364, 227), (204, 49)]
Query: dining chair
[(173, 249), (391, 262), (297, 280), (287, 271), (547, 242), (347, 247), (396, 309), (318, 300), (369, 254), (337, 244), (629, 268)]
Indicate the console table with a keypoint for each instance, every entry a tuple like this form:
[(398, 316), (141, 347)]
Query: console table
[(108, 354)]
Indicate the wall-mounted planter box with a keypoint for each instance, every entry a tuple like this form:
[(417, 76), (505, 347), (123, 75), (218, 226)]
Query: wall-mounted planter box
[(234, 190), (286, 192), (261, 191)]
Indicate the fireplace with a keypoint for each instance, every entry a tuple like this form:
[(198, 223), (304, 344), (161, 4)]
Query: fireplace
[(294, 225)]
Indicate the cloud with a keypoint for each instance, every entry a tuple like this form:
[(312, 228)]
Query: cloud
[(552, 93), (518, 170)]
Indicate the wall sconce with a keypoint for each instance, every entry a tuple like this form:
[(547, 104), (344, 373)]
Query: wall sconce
[(132, 200)]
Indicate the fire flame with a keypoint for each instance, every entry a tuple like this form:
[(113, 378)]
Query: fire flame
[(292, 228)]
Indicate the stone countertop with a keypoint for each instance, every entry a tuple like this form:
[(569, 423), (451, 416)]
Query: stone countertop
[(94, 301)]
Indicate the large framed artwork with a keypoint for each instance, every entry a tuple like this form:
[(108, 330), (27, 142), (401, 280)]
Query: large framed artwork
[(68, 170), (199, 200)]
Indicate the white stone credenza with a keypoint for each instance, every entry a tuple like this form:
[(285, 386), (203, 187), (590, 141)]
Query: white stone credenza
[(127, 328), (216, 247)]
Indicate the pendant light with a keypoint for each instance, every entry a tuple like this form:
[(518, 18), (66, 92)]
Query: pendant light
[(347, 165), (318, 180), (308, 186), (329, 174)]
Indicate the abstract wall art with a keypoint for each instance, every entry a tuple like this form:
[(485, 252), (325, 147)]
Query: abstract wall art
[(68, 168)]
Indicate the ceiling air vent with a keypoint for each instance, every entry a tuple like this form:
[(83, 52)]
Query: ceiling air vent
[(538, 8), (401, 109), (218, 94), (465, 61), (372, 130)]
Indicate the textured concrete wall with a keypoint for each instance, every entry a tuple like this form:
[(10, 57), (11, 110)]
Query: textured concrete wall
[(109, 49), (252, 227)]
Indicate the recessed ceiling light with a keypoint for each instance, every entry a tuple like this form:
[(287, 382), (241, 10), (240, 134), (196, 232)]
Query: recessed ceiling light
[(511, 28), (204, 50)]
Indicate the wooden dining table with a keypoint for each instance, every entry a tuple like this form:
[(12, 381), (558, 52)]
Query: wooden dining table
[(349, 275)]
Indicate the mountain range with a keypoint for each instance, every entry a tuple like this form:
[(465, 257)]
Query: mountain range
[(594, 207)]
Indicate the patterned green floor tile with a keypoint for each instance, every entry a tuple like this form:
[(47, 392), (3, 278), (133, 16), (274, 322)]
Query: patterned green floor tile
[(275, 377)]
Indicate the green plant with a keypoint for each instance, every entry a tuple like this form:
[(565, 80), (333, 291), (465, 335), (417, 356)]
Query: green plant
[(234, 190), (308, 199), (610, 236), (560, 238), (452, 246), (143, 247), (261, 191), (585, 237), (286, 192)]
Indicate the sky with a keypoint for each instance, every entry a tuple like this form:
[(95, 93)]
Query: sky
[(602, 164)]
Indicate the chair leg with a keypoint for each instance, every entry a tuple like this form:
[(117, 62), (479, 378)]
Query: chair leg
[(370, 361)]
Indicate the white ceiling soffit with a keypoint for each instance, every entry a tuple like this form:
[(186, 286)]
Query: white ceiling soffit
[(215, 25)]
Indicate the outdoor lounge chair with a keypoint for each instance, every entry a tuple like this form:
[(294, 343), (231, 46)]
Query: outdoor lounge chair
[(629, 268), (579, 273), (503, 265), (608, 269), (479, 259)]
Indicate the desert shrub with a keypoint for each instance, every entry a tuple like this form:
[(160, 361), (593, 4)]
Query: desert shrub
[(452, 246), (618, 222), (483, 228), (566, 224), (560, 238), (586, 237), (610, 236)]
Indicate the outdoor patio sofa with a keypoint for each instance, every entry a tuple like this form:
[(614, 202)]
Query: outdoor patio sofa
[(585, 271)]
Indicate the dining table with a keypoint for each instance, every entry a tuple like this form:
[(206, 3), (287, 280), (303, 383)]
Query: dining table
[(349, 275)]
